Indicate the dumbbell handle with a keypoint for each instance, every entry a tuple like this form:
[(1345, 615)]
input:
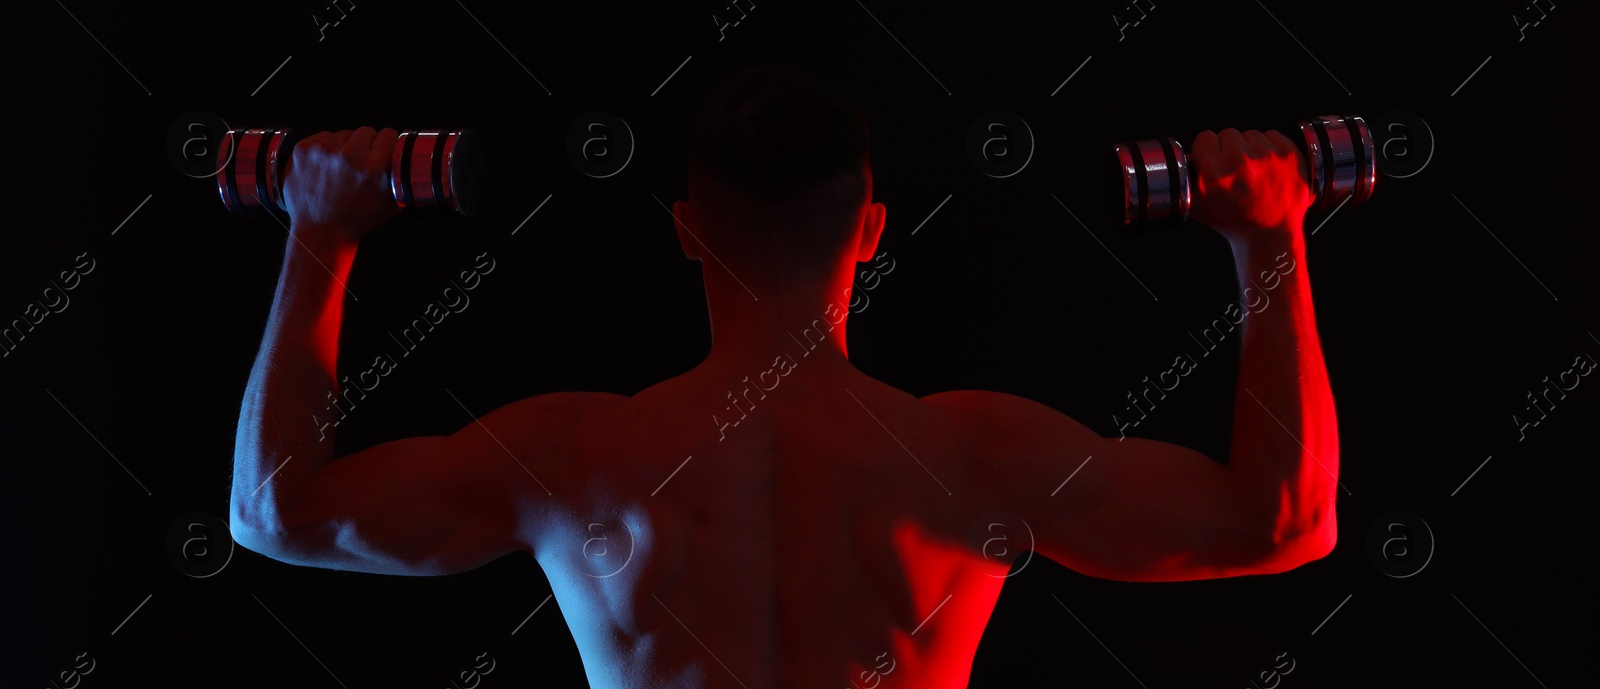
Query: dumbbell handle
[(428, 169), (1337, 163)]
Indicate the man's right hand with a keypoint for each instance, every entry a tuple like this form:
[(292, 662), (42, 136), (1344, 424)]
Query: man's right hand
[(1248, 186), (337, 182)]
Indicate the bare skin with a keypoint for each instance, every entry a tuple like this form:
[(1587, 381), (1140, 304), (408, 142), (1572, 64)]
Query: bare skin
[(826, 540)]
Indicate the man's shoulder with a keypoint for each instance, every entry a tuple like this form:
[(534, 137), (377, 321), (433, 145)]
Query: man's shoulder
[(985, 418), (549, 411), (983, 406), (573, 401)]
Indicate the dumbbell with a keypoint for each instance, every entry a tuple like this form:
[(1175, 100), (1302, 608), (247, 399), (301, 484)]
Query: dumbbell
[(430, 168), (1154, 180)]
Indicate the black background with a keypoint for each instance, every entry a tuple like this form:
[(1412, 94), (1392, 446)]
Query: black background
[(1434, 327)]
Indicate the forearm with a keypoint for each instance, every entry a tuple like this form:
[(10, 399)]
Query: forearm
[(279, 445), (1285, 450)]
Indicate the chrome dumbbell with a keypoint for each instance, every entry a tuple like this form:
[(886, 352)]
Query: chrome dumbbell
[(1154, 178), (431, 168)]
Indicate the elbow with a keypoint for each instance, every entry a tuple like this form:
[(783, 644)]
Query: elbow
[(250, 528), (1305, 551), (1300, 530), (1289, 552), (253, 538), (259, 520), (1322, 545)]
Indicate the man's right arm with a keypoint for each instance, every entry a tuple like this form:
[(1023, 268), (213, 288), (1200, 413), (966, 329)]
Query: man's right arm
[(1141, 510), (1251, 190)]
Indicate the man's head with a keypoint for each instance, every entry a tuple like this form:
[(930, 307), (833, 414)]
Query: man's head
[(779, 179)]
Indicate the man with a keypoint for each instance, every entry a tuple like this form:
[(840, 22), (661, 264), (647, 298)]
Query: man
[(784, 535)]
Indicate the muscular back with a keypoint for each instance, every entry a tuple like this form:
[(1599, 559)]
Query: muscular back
[(802, 547), (828, 535)]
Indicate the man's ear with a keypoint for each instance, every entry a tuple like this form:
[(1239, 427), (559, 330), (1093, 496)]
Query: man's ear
[(684, 222), (871, 229)]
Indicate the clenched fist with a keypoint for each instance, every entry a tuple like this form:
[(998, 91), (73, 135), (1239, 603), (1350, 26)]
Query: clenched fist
[(1249, 185), (337, 182)]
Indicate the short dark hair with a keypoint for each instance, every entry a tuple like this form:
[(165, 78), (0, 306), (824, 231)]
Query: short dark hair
[(793, 154)]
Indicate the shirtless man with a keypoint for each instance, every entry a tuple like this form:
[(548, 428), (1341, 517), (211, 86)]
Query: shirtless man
[(804, 546)]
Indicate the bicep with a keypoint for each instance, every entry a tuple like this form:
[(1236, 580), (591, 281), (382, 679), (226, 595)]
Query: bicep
[(1128, 509), (437, 504)]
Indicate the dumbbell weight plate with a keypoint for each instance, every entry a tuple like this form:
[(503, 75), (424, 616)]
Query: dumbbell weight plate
[(1154, 177), (252, 163), (1340, 160), (437, 169)]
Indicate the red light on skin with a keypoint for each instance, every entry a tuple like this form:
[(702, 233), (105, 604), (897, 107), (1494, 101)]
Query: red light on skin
[(910, 600), (1268, 167), (949, 604)]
